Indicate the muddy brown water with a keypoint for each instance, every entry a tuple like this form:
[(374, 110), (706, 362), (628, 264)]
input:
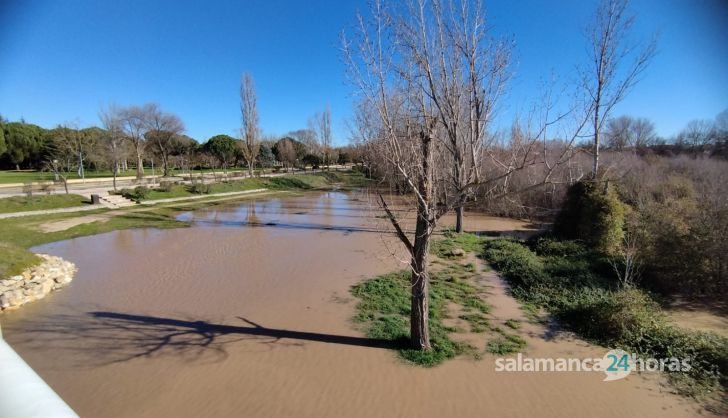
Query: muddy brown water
[(247, 313)]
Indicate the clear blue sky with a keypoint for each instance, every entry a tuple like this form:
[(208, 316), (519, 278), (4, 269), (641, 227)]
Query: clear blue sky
[(60, 61)]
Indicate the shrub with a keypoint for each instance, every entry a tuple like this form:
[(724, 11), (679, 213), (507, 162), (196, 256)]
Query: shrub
[(593, 215), (570, 288), (165, 186), (137, 194), (200, 188)]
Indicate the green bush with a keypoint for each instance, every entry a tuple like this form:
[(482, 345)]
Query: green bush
[(137, 194), (592, 215), (568, 284), (515, 262)]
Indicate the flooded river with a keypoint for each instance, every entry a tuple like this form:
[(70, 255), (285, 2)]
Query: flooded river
[(247, 313)]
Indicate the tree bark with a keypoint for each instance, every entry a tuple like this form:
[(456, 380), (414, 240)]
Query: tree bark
[(140, 167), (116, 171), (419, 318), (459, 219)]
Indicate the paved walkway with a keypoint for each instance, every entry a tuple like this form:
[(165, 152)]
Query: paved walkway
[(144, 203)]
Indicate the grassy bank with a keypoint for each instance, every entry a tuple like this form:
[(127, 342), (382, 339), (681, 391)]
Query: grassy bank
[(41, 202), (383, 309), (575, 285), (19, 234)]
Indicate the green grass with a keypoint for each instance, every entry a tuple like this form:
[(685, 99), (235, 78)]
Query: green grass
[(574, 284), (506, 344), (468, 242), (384, 309), (513, 324), (41, 202), (7, 177), (15, 259)]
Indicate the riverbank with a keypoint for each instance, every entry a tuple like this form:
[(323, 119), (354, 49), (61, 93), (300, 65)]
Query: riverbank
[(36, 282)]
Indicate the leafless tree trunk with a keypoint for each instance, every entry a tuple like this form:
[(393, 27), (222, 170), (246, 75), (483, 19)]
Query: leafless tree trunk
[(110, 119), (249, 131), (609, 78), (134, 125), (429, 77), (162, 129), (323, 131)]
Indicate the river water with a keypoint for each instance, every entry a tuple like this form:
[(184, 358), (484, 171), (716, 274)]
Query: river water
[(247, 313)]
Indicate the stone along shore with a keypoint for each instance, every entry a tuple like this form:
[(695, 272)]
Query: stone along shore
[(36, 282)]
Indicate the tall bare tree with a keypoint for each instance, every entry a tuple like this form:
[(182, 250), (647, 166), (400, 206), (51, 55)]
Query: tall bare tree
[(114, 138), (133, 122), (322, 126), (162, 131), (626, 131), (249, 130), (428, 77), (616, 64)]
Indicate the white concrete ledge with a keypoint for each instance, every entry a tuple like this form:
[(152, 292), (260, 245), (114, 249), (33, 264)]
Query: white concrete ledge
[(23, 394)]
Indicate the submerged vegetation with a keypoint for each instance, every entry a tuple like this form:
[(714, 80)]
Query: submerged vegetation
[(384, 309)]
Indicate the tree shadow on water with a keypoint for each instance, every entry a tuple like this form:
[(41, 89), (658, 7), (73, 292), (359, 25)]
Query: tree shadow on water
[(103, 338)]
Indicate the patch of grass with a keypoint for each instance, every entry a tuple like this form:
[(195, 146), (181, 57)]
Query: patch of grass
[(15, 259), (41, 202), (26, 176), (384, 309), (506, 344), (478, 323), (571, 283), (25, 231), (513, 324), (444, 247)]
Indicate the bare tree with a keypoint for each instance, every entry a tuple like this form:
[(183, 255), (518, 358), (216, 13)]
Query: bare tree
[(65, 153), (697, 134), (428, 78), (625, 132), (627, 263), (134, 124), (308, 138), (249, 131), (114, 138), (286, 153), (162, 131), (610, 76), (322, 127)]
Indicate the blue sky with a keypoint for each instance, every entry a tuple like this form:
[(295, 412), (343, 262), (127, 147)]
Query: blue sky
[(61, 61)]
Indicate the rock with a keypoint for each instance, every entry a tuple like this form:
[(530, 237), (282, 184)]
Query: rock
[(4, 301), (457, 252), (36, 282)]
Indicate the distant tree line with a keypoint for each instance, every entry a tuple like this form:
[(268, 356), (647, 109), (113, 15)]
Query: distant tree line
[(134, 137)]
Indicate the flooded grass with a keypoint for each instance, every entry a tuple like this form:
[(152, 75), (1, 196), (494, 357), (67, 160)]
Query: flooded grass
[(384, 308)]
